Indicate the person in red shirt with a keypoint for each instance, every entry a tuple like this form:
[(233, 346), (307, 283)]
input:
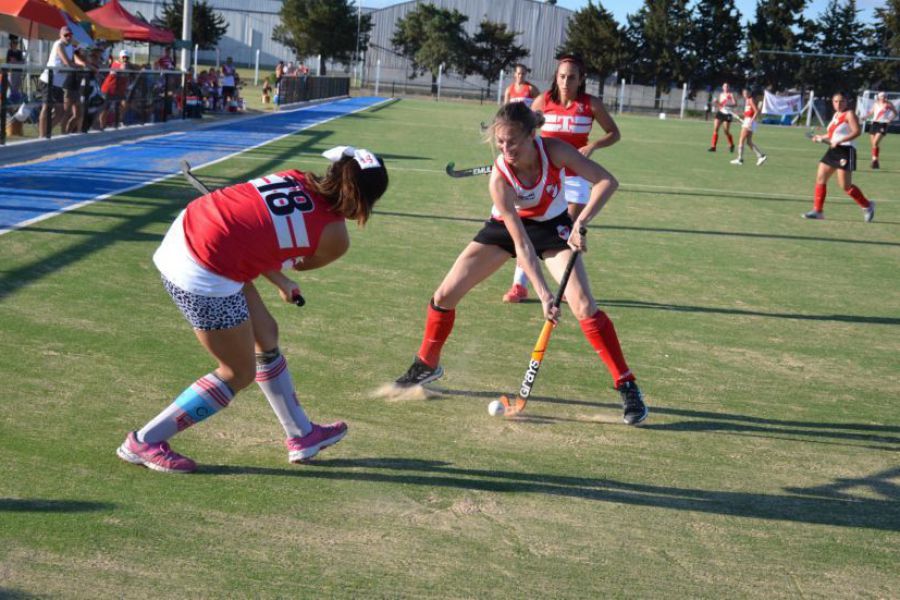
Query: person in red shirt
[(530, 221), (165, 62), (209, 259), (520, 90), (114, 87), (569, 113)]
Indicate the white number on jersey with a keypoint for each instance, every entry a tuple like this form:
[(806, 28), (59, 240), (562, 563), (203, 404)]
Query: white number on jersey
[(287, 201)]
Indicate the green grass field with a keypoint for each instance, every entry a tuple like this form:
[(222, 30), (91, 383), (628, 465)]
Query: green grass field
[(767, 347)]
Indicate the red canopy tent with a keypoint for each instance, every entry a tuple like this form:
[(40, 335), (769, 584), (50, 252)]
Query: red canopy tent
[(112, 15)]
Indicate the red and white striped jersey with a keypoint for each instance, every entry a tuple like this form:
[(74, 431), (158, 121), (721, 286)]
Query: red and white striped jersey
[(839, 128), (541, 202), (749, 111), (883, 112), (263, 225), (571, 124), (522, 94), (725, 102)]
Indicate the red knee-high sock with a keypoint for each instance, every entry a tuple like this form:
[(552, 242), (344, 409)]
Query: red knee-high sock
[(438, 325), (819, 197), (600, 332), (875, 152), (858, 197), (730, 139), (715, 139)]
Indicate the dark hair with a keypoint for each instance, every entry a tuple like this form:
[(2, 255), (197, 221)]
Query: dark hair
[(521, 66), (576, 60), (351, 190), (517, 113)]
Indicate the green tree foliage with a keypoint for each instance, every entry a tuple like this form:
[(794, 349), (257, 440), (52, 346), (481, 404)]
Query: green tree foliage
[(493, 49), (716, 42), (592, 28), (326, 27), (658, 37), (885, 41), (778, 25), (430, 36), (837, 31), (207, 28)]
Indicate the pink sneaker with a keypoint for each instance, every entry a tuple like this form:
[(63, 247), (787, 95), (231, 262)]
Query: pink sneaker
[(158, 457), (301, 449), (516, 294)]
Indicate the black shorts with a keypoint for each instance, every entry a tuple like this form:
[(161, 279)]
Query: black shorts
[(877, 127), (56, 93), (724, 117), (228, 91), (544, 235), (842, 157)]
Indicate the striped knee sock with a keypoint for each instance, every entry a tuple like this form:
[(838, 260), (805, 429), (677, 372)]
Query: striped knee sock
[(204, 398), (275, 381)]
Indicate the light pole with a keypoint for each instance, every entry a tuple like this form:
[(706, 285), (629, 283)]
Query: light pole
[(358, 27), (186, 34)]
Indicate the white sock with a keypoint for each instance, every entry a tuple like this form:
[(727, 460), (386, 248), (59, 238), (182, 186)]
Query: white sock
[(520, 278), (201, 400), (275, 381)]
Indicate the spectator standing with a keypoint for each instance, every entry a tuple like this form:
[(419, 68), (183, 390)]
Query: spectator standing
[(165, 62), (229, 73), (15, 56), (114, 87), (64, 88)]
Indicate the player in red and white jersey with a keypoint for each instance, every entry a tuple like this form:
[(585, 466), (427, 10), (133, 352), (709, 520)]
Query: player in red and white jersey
[(569, 114), (882, 114), (208, 260), (748, 127), (520, 90), (724, 104), (840, 158), (529, 221)]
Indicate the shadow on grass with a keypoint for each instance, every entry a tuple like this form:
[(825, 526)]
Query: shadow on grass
[(57, 506), (11, 594), (862, 513)]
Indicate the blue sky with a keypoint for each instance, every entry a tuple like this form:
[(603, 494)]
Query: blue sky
[(620, 8)]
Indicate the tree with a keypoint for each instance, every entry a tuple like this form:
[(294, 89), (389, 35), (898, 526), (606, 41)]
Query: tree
[(595, 27), (207, 28), (323, 27), (779, 25), (885, 41), (716, 41), (493, 49), (658, 36), (429, 37), (837, 32)]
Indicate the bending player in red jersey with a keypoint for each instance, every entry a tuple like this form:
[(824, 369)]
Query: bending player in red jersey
[(724, 103), (882, 113), (748, 127), (841, 159), (569, 114), (529, 221), (208, 260), (520, 90)]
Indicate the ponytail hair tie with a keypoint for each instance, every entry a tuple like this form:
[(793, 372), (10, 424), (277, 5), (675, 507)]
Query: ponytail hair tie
[(366, 159)]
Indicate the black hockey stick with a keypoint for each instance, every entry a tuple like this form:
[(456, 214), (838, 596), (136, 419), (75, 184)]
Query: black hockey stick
[(297, 298), (483, 170)]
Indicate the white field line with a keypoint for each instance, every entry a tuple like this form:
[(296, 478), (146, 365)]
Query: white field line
[(164, 177)]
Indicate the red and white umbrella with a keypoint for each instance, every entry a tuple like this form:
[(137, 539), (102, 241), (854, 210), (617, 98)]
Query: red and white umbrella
[(31, 19)]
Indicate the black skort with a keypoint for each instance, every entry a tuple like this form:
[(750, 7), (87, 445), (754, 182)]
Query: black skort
[(544, 235), (878, 127), (56, 93), (724, 117), (842, 157)]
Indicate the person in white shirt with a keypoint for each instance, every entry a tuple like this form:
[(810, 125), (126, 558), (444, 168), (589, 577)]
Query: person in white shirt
[(882, 113), (63, 90)]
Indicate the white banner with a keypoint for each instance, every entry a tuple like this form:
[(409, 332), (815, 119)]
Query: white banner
[(782, 105)]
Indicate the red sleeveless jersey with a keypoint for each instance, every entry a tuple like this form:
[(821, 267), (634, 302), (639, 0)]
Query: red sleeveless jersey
[(571, 124), (543, 201), (262, 225), (521, 95)]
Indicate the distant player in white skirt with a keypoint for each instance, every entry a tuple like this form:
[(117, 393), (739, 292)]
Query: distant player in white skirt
[(748, 126), (882, 114)]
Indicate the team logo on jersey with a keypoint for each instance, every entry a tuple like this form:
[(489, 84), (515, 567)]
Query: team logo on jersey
[(843, 162), (526, 197), (563, 231), (552, 190), (579, 108)]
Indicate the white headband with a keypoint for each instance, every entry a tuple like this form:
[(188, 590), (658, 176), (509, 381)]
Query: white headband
[(365, 158)]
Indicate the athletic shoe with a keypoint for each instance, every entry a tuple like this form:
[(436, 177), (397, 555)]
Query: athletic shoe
[(516, 294), (869, 213), (875, 164), (711, 149), (813, 214), (761, 160), (158, 457), (301, 449), (635, 411), (738, 161), (419, 374), (731, 148)]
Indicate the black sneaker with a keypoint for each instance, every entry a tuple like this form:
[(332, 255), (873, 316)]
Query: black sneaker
[(632, 403), (711, 149), (875, 164), (419, 374), (731, 148)]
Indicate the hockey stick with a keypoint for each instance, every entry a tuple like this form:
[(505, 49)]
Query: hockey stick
[(537, 355), (186, 171), (297, 297), (483, 170)]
